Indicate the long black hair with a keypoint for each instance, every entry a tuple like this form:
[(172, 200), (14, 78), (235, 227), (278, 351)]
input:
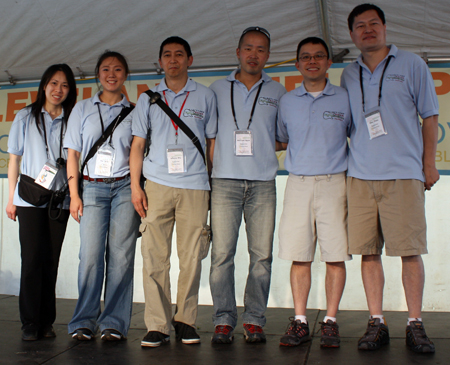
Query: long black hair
[(110, 54), (68, 104)]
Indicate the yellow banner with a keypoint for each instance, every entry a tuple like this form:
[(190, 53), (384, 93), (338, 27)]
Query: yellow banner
[(14, 98)]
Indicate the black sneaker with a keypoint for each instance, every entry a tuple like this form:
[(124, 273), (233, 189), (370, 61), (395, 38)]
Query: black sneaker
[(185, 333), (377, 334), (83, 334), (30, 333), (111, 334), (254, 333), (222, 334), (154, 339), (329, 334), (48, 332), (416, 338), (296, 333)]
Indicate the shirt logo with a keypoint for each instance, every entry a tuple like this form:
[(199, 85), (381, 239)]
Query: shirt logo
[(334, 115), (193, 113), (268, 101), (395, 77)]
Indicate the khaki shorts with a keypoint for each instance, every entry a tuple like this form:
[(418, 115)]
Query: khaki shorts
[(315, 209), (390, 211)]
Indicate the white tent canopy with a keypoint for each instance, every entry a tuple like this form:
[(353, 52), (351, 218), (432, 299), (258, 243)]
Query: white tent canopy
[(38, 33)]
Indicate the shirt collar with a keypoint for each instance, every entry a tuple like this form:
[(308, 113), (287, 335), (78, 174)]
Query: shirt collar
[(58, 117), (191, 85), (96, 100), (264, 77), (393, 50), (328, 90)]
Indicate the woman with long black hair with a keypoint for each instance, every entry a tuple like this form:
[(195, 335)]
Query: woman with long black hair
[(36, 138)]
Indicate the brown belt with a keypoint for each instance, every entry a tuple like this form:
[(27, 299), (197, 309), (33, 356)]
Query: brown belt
[(107, 180)]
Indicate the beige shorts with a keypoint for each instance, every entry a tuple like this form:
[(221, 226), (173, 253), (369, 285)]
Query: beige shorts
[(390, 211), (315, 209)]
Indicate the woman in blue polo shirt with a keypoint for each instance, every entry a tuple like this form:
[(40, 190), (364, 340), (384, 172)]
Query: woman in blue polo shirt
[(36, 137), (108, 222)]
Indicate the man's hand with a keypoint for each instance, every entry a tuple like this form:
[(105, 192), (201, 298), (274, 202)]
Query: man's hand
[(139, 200), (431, 176)]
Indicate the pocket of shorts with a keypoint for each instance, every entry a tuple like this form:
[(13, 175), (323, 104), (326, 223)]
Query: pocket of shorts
[(205, 241)]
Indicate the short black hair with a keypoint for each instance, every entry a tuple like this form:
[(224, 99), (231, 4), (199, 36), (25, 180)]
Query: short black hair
[(358, 10), (177, 40), (313, 40)]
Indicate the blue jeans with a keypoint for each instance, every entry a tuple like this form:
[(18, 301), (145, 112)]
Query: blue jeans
[(108, 232), (229, 199)]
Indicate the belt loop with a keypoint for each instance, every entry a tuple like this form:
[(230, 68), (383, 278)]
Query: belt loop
[(328, 177), (302, 178)]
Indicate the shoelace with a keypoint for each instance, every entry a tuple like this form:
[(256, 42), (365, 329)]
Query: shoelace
[(252, 328), (222, 329)]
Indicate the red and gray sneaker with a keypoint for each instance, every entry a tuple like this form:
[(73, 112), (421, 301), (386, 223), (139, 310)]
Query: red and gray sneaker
[(329, 334), (296, 333), (377, 334), (416, 338), (254, 333), (222, 334)]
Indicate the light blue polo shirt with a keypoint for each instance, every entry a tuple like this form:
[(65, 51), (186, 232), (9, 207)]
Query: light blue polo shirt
[(408, 91), (199, 114), (315, 129), (84, 129), (263, 165), (25, 140)]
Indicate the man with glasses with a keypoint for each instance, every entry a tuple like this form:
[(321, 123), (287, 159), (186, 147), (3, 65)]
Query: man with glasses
[(243, 182), (313, 124), (391, 161)]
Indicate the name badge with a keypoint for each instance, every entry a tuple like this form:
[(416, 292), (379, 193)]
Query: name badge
[(176, 159), (375, 124), (243, 143), (47, 175), (105, 160)]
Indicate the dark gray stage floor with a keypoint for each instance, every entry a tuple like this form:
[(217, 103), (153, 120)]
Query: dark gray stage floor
[(64, 350)]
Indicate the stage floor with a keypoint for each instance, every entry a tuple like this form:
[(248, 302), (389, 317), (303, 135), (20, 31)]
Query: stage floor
[(64, 350)]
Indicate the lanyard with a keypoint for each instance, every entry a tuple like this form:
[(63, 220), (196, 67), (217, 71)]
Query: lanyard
[(179, 114), (103, 126), (253, 108), (45, 136), (381, 83)]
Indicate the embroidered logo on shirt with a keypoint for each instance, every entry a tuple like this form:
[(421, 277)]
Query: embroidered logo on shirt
[(395, 77), (199, 114), (268, 101), (334, 115)]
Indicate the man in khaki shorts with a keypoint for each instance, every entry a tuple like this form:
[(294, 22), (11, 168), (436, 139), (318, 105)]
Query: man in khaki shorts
[(313, 123), (391, 160)]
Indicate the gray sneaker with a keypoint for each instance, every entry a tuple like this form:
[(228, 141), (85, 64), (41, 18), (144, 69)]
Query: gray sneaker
[(416, 338), (377, 334)]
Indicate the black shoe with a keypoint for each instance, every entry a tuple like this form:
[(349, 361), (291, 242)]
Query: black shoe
[(111, 334), (222, 334), (329, 334), (416, 338), (30, 334), (83, 334), (154, 339), (185, 333), (377, 334), (48, 332), (296, 333)]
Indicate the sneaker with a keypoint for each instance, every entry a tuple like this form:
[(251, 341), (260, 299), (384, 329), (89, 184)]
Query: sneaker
[(111, 334), (185, 333), (30, 333), (377, 334), (154, 339), (254, 333), (223, 334), (48, 332), (83, 334), (329, 334), (296, 333), (416, 338)]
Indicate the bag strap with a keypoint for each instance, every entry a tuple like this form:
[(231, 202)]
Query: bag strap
[(155, 98), (108, 132)]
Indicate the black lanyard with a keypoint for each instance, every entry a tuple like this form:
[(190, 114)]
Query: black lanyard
[(103, 126), (253, 108), (381, 83), (45, 136)]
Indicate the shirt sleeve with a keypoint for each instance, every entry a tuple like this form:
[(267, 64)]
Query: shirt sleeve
[(16, 137), (281, 133), (73, 138), (424, 91), (211, 122), (141, 117)]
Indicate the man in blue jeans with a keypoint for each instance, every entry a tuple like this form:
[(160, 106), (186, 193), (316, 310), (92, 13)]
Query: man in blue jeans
[(243, 182)]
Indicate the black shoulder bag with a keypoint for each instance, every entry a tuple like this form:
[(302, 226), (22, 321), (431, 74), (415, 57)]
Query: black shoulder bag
[(155, 98), (108, 132)]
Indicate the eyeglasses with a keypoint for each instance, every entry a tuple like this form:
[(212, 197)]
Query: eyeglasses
[(257, 29), (317, 57)]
